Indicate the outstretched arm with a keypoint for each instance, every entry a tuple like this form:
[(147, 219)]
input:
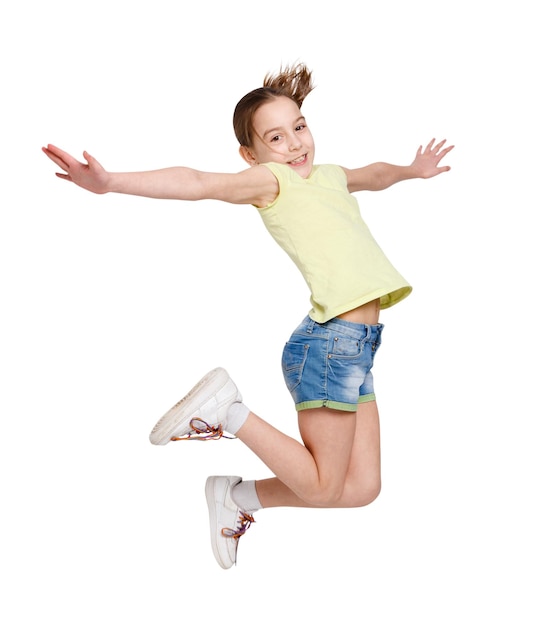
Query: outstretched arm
[(256, 185), (378, 176)]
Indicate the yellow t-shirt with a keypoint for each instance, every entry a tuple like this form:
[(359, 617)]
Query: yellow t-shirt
[(318, 223)]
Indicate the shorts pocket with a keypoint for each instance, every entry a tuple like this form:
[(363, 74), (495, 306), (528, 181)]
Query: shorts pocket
[(346, 348), (293, 361)]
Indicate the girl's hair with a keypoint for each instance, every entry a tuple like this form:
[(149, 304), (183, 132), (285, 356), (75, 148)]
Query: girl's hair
[(294, 82)]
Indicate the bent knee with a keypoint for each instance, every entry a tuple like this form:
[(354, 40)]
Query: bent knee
[(363, 495), (366, 495), (343, 497), (325, 497)]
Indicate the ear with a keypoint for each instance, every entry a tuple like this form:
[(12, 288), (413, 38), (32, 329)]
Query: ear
[(248, 156)]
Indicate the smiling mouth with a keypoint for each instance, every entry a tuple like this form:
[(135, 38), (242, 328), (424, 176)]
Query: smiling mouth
[(299, 160)]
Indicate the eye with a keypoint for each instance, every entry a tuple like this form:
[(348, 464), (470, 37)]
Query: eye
[(276, 138), (300, 127)]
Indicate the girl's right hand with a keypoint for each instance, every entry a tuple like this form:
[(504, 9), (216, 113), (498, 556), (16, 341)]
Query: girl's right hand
[(91, 175)]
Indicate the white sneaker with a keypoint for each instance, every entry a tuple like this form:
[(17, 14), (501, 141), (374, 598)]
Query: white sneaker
[(227, 522), (202, 413)]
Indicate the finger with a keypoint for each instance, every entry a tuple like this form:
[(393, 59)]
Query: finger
[(439, 145), (443, 153), (446, 150), (57, 160), (58, 152), (64, 157), (91, 161), (429, 146)]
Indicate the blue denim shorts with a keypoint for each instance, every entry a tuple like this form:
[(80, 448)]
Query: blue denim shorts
[(329, 365)]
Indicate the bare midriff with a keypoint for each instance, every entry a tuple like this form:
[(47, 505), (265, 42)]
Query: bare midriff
[(366, 314)]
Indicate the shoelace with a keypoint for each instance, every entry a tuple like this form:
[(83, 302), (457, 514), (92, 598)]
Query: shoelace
[(204, 432), (244, 522)]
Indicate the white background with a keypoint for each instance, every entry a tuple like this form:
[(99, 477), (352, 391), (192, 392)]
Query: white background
[(112, 308)]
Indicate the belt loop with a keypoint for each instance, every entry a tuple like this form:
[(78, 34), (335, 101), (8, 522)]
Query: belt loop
[(310, 326)]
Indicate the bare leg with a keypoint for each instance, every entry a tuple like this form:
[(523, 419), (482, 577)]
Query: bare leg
[(338, 465)]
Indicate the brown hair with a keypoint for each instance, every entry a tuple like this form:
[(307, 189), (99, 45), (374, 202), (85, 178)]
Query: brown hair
[(294, 82)]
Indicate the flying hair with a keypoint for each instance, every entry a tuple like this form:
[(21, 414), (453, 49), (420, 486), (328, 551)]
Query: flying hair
[(293, 81)]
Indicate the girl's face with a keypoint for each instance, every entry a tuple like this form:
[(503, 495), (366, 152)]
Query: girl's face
[(281, 136)]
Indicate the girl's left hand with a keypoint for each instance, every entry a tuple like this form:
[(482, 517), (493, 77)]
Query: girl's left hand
[(426, 161)]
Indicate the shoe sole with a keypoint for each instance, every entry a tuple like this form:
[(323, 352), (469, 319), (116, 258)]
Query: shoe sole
[(175, 423), (213, 492)]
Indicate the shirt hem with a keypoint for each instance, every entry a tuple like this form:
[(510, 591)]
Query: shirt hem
[(388, 298)]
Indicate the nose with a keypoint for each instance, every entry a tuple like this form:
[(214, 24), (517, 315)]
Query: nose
[(295, 142)]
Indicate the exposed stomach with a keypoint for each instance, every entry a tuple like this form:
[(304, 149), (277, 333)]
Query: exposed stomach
[(366, 314)]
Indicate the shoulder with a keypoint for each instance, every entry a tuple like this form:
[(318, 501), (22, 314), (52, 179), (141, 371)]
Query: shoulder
[(266, 185)]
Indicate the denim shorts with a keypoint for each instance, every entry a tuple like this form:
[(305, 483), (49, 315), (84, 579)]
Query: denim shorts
[(329, 365)]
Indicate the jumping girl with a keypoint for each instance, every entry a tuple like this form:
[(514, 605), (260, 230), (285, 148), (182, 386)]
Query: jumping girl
[(310, 211)]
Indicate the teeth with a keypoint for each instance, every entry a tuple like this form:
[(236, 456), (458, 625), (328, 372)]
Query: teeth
[(299, 160)]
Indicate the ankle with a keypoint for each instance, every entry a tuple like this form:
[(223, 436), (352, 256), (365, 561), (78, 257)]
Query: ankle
[(245, 496), (237, 415)]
